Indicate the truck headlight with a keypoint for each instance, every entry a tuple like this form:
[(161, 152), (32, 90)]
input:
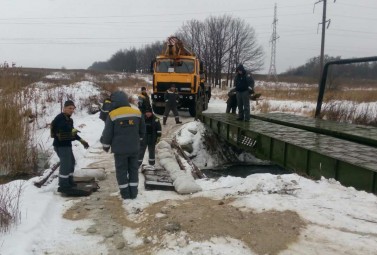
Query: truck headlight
[(190, 97), (155, 96)]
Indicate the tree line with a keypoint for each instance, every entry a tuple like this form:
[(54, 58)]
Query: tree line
[(220, 42), (130, 60), (311, 68)]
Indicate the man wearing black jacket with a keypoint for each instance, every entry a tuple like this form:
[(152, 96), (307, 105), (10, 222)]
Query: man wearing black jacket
[(171, 98), (105, 109), (152, 136), (242, 83), (64, 133)]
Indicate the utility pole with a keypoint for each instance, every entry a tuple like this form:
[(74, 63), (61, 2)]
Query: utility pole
[(274, 37), (323, 23)]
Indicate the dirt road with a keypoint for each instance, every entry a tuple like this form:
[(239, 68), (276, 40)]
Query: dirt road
[(197, 218)]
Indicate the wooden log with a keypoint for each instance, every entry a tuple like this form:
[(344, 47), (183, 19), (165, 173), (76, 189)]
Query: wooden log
[(39, 183), (194, 169)]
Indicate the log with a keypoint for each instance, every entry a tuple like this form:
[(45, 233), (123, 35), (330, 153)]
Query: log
[(39, 183), (194, 169)]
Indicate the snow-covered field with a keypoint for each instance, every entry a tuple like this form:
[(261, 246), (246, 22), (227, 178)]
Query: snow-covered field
[(338, 220)]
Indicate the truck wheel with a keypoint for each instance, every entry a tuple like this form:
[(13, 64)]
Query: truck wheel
[(158, 110)]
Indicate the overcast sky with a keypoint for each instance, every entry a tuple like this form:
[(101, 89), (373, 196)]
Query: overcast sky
[(75, 33)]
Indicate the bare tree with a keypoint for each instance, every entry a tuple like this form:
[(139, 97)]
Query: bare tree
[(222, 43)]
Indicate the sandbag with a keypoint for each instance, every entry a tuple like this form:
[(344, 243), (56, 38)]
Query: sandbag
[(183, 182), (98, 173)]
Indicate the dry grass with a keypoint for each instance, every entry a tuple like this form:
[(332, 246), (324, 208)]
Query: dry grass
[(346, 112), (129, 82), (348, 102), (17, 157), (304, 94), (9, 205), (355, 95)]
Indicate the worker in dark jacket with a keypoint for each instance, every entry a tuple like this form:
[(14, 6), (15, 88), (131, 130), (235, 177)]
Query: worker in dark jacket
[(242, 83), (171, 98), (105, 109), (64, 133), (152, 136), (231, 103), (144, 101), (124, 129)]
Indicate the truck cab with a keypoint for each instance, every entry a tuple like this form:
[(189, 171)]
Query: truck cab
[(183, 69)]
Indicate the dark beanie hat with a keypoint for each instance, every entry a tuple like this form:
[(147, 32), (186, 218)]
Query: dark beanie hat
[(240, 68), (143, 88), (69, 103), (149, 110)]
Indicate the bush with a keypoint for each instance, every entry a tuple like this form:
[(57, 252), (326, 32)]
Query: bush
[(17, 156), (9, 205)]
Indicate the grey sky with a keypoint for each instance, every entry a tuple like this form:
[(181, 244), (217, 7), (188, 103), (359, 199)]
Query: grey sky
[(75, 33)]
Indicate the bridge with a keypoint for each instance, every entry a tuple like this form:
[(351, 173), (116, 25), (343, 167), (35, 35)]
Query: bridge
[(310, 147)]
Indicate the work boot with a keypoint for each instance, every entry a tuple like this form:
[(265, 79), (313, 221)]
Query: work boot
[(125, 193), (71, 181), (74, 192), (177, 121), (164, 120)]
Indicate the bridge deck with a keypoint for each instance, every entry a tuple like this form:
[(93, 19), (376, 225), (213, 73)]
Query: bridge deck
[(357, 133), (302, 151)]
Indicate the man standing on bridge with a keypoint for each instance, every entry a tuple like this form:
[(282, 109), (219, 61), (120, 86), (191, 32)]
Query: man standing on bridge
[(242, 82), (124, 129)]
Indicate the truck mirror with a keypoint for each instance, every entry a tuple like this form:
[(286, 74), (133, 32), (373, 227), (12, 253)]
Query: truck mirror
[(201, 67)]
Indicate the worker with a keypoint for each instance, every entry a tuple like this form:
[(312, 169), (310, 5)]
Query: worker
[(171, 98), (152, 136), (123, 132), (231, 103), (105, 109), (243, 82), (63, 132)]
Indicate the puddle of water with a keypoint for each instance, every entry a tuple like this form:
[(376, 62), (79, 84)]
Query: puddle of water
[(243, 170)]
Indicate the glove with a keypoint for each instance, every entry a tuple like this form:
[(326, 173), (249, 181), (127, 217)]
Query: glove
[(106, 148), (158, 139), (75, 131), (83, 142)]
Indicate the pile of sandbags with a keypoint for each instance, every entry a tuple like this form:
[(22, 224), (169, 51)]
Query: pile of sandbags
[(183, 182)]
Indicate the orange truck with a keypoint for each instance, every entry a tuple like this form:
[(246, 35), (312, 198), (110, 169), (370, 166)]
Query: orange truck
[(179, 66)]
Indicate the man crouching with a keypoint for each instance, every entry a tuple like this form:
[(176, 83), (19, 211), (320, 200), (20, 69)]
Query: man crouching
[(123, 131)]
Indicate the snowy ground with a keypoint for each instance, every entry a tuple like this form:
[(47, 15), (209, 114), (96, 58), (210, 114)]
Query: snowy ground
[(337, 220)]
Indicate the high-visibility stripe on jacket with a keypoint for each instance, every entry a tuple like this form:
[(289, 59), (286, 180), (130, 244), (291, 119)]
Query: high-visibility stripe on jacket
[(123, 130)]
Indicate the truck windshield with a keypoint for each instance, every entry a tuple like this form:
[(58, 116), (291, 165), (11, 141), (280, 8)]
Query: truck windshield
[(177, 66)]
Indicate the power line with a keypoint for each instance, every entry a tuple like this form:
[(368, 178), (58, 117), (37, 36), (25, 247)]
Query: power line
[(356, 5), (353, 17), (149, 15), (128, 22)]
